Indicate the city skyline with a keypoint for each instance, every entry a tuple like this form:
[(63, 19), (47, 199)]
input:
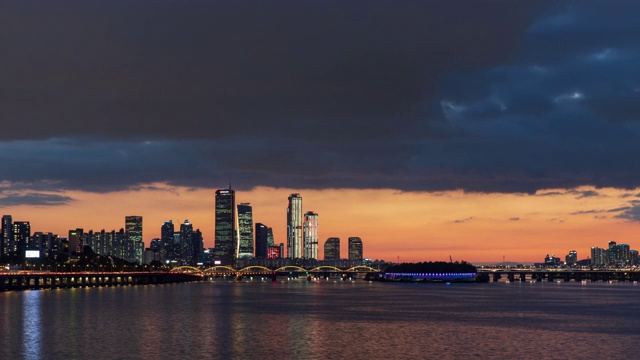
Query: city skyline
[(507, 138)]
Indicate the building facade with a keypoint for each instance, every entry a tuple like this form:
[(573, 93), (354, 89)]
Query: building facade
[(310, 235), (226, 241), (295, 248), (245, 230), (332, 249), (355, 249), (133, 228)]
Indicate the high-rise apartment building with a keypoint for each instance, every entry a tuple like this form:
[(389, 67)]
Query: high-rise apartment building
[(226, 242), (355, 249), (295, 249), (332, 249), (599, 256), (245, 230), (21, 238), (311, 235), (6, 245)]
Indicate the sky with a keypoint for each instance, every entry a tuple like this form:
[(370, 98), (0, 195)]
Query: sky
[(480, 130)]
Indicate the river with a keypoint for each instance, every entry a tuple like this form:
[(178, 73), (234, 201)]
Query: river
[(323, 320)]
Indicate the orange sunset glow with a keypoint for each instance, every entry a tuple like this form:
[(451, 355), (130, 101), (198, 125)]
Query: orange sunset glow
[(411, 226)]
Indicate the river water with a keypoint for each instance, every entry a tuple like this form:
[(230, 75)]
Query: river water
[(323, 320)]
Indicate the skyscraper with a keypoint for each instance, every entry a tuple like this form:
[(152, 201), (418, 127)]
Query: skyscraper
[(311, 235), (186, 243), (226, 242), (7, 237), (294, 227), (170, 250), (262, 240), (133, 227), (198, 246), (245, 230), (332, 249), (355, 249)]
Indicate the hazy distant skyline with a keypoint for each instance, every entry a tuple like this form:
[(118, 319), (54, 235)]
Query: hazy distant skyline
[(524, 115)]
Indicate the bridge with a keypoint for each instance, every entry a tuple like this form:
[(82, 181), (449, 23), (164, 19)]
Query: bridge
[(256, 270), (38, 280), (569, 274)]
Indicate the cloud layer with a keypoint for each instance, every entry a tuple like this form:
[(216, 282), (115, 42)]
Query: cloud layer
[(411, 95)]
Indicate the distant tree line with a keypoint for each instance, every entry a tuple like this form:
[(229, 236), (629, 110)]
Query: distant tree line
[(431, 267)]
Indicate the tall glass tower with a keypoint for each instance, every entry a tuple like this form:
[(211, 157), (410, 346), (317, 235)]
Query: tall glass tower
[(133, 228), (226, 242), (311, 235), (245, 230), (294, 227), (186, 243), (262, 240)]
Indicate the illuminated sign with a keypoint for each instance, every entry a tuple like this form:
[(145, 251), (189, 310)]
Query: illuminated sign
[(32, 254), (217, 262)]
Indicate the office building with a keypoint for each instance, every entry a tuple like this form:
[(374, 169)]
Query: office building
[(186, 244), (133, 228), (355, 249), (198, 246), (332, 249), (226, 241), (294, 227), (262, 240), (245, 230), (311, 235), (171, 251)]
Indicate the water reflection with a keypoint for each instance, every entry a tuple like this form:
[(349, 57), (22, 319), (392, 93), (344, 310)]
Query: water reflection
[(32, 326)]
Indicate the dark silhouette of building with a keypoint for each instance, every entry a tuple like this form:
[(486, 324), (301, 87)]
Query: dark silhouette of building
[(262, 240), (226, 242), (170, 249)]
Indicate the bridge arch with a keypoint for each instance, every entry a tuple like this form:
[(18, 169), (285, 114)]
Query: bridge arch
[(324, 268), (219, 268), (290, 267), (187, 269), (361, 268), (251, 267)]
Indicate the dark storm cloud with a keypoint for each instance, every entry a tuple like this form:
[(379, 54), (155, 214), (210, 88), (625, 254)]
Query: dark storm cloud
[(412, 95), (37, 199), (335, 70), (631, 214)]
